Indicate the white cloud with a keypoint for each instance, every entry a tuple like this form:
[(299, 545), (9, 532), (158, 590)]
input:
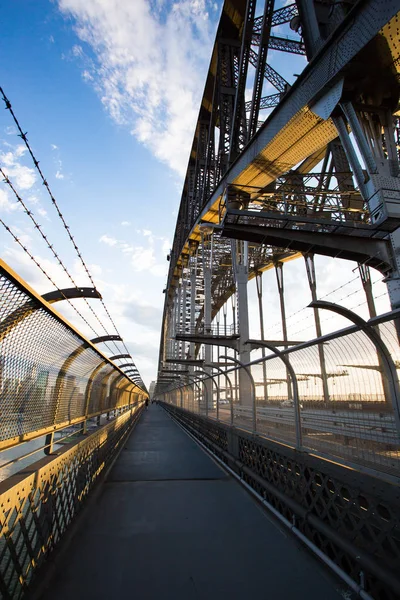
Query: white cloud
[(143, 258), (166, 247), (110, 241), (125, 223), (59, 175), (54, 147), (42, 212), (5, 203), (22, 177), (148, 67), (86, 75)]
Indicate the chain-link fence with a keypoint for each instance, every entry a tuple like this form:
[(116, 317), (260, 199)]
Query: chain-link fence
[(50, 375), (337, 396)]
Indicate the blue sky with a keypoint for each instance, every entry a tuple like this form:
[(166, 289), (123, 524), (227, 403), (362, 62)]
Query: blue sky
[(109, 92), (102, 88)]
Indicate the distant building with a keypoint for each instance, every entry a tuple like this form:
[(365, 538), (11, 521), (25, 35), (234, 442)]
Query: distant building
[(151, 388)]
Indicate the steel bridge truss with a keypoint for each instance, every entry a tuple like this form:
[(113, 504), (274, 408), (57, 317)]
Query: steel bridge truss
[(297, 183), (294, 169)]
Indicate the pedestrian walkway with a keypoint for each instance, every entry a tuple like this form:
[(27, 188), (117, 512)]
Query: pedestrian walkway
[(171, 524)]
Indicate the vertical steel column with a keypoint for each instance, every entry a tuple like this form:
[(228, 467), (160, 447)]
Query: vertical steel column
[(219, 370), (365, 276), (183, 311), (247, 370), (261, 312), (193, 272), (172, 326), (309, 26), (312, 282), (179, 318), (206, 241), (234, 322), (218, 316), (210, 375), (240, 266), (281, 291), (177, 306)]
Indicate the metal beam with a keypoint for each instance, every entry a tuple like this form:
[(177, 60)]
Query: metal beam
[(117, 356), (211, 340), (185, 361), (370, 251), (71, 293), (254, 344), (106, 338)]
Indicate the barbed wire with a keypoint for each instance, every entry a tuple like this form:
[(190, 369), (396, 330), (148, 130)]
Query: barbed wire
[(39, 228), (18, 241), (23, 136)]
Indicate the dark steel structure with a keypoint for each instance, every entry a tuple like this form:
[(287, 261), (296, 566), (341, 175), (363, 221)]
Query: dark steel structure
[(292, 170)]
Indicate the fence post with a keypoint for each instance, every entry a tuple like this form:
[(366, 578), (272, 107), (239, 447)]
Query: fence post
[(253, 386)]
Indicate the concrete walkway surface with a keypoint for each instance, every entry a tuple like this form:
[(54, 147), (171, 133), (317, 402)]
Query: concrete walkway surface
[(171, 524)]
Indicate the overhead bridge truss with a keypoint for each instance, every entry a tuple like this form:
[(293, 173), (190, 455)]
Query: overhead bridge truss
[(285, 167)]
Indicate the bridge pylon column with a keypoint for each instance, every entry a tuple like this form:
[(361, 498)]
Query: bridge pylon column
[(207, 257), (241, 271), (312, 282), (281, 291), (261, 315), (192, 309)]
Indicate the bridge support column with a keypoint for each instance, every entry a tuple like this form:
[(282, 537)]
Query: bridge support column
[(281, 291), (207, 257), (192, 347), (192, 315), (240, 265), (261, 313), (365, 276), (312, 282), (178, 320), (183, 316)]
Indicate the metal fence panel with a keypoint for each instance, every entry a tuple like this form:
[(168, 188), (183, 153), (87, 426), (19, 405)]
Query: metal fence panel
[(50, 375), (344, 392)]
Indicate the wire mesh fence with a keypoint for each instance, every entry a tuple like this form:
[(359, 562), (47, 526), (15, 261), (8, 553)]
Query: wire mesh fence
[(341, 400), (50, 376)]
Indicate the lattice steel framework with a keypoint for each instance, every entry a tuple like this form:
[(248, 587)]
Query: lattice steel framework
[(267, 168)]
